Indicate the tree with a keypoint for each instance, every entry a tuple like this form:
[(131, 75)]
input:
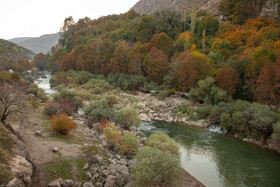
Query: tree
[(145, 29), (119, 62), (12, 101), (193, 67), (40, 61), (228, 80), (193, 20), (268, 85), (162, 42), (136, 57), (156, 65)]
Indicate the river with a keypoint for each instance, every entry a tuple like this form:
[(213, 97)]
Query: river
[(220, 160), (216, 160)]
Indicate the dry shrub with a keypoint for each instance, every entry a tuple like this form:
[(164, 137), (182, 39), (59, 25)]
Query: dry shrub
[(63, 124), (113, 136), (51, 108), (129, 144)]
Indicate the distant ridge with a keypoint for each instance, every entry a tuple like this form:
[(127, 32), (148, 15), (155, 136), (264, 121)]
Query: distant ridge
[(42, 44)]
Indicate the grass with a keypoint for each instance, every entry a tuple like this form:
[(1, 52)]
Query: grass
[(6, 144), (71, 168), (93, 150)]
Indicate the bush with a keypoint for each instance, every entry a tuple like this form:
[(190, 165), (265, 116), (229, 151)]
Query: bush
[(99, 109), (163, 142), (128, 117), (97, 90), (63, 124), (82, 77), (51, 108), (217, 111), (204, 112), (156, 168), (113, 136), (276, 131), (129, 144), (126, 82), (162, 94), (70, 96)]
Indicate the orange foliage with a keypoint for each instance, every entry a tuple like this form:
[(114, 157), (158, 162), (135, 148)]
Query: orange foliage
[(119, 62), (162, 42), (63, 124)]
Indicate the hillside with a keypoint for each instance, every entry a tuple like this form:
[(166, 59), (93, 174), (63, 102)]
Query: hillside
[(10, 52), (43, 43), (150, 6)]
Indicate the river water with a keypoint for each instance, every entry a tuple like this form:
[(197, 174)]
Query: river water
[(216, 160), (220, 160)]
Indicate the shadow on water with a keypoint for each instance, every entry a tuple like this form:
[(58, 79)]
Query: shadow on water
[(220, 160)]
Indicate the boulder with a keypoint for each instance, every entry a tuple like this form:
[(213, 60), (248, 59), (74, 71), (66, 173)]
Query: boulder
[(15, 182), (56, 183), (20, 167), (55, 149), (88, 184), (126, 177), (68, 183), (122, 168), (97, 160), (119, 180), (39, 133), (132, 163), (98, 184), (86, 166), (110, 181)]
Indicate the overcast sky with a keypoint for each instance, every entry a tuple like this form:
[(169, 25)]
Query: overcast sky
[(32, 18)]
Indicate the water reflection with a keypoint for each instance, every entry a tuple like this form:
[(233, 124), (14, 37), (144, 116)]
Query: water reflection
[(220, 160)]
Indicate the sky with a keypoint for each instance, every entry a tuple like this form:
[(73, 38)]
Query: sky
[(33, 18)]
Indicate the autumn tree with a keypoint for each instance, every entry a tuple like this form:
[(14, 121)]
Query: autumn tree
[(162, 42), (86, 58), (228, 80), (40, 61), (145, 29), (156, 65), (193, 67), (119, 62), (268, 85), (136, 57)]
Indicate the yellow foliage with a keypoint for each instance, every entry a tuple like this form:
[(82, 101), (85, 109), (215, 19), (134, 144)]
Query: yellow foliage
[(63, 124)]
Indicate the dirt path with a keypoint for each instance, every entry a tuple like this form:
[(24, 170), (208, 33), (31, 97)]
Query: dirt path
[(40, 147)]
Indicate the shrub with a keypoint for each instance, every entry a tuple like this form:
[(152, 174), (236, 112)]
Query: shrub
[(163, 94), (204, 112), (129, 144), (82, 77), (128, 117), (51, 108), (67, 105), (217, 111), (276, 131), (99, 109), (113, 136), (72, 96), (162, 142), (63, 124), (156, 168), (97, 90)]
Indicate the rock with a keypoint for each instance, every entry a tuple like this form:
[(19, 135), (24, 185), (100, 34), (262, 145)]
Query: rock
[(119, 180), (15, 182), (55, 149), (105, 173), (123, 162), (56, 183), (110, 181), (128, 184), (126, 177), (97, 159), (112, 161), (118, 156), (122, 168), (68, 183), (113, 172), (98, 184), (88, 184), (88, 175), (27, 181), (39, 133), (86, 166), (20, 167)]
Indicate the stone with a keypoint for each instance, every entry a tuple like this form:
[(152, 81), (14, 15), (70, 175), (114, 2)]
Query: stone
[(86, 166), (113, 172), (97, 159), (98, 184), (68, 183), (20, 167), (27, 181), (55, 149), (15, 182), (122, 168), (88, 184), (56, 183), (88, 175), (118, 156), (110, 181), (105, 173), (39, 133), (126, 177), (123, 162), (119, 180)]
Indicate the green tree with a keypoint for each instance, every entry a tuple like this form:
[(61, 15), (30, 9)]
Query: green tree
[(145, 29)]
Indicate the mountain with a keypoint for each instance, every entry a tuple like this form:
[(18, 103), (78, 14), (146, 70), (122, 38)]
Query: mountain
[(43, 43), (150, 6), (10, 53)]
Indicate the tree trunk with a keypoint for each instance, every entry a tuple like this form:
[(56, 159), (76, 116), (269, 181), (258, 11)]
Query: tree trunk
[(10, 128)]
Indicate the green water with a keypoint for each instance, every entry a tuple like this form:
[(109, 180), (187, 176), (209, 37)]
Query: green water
[(220, 160)]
